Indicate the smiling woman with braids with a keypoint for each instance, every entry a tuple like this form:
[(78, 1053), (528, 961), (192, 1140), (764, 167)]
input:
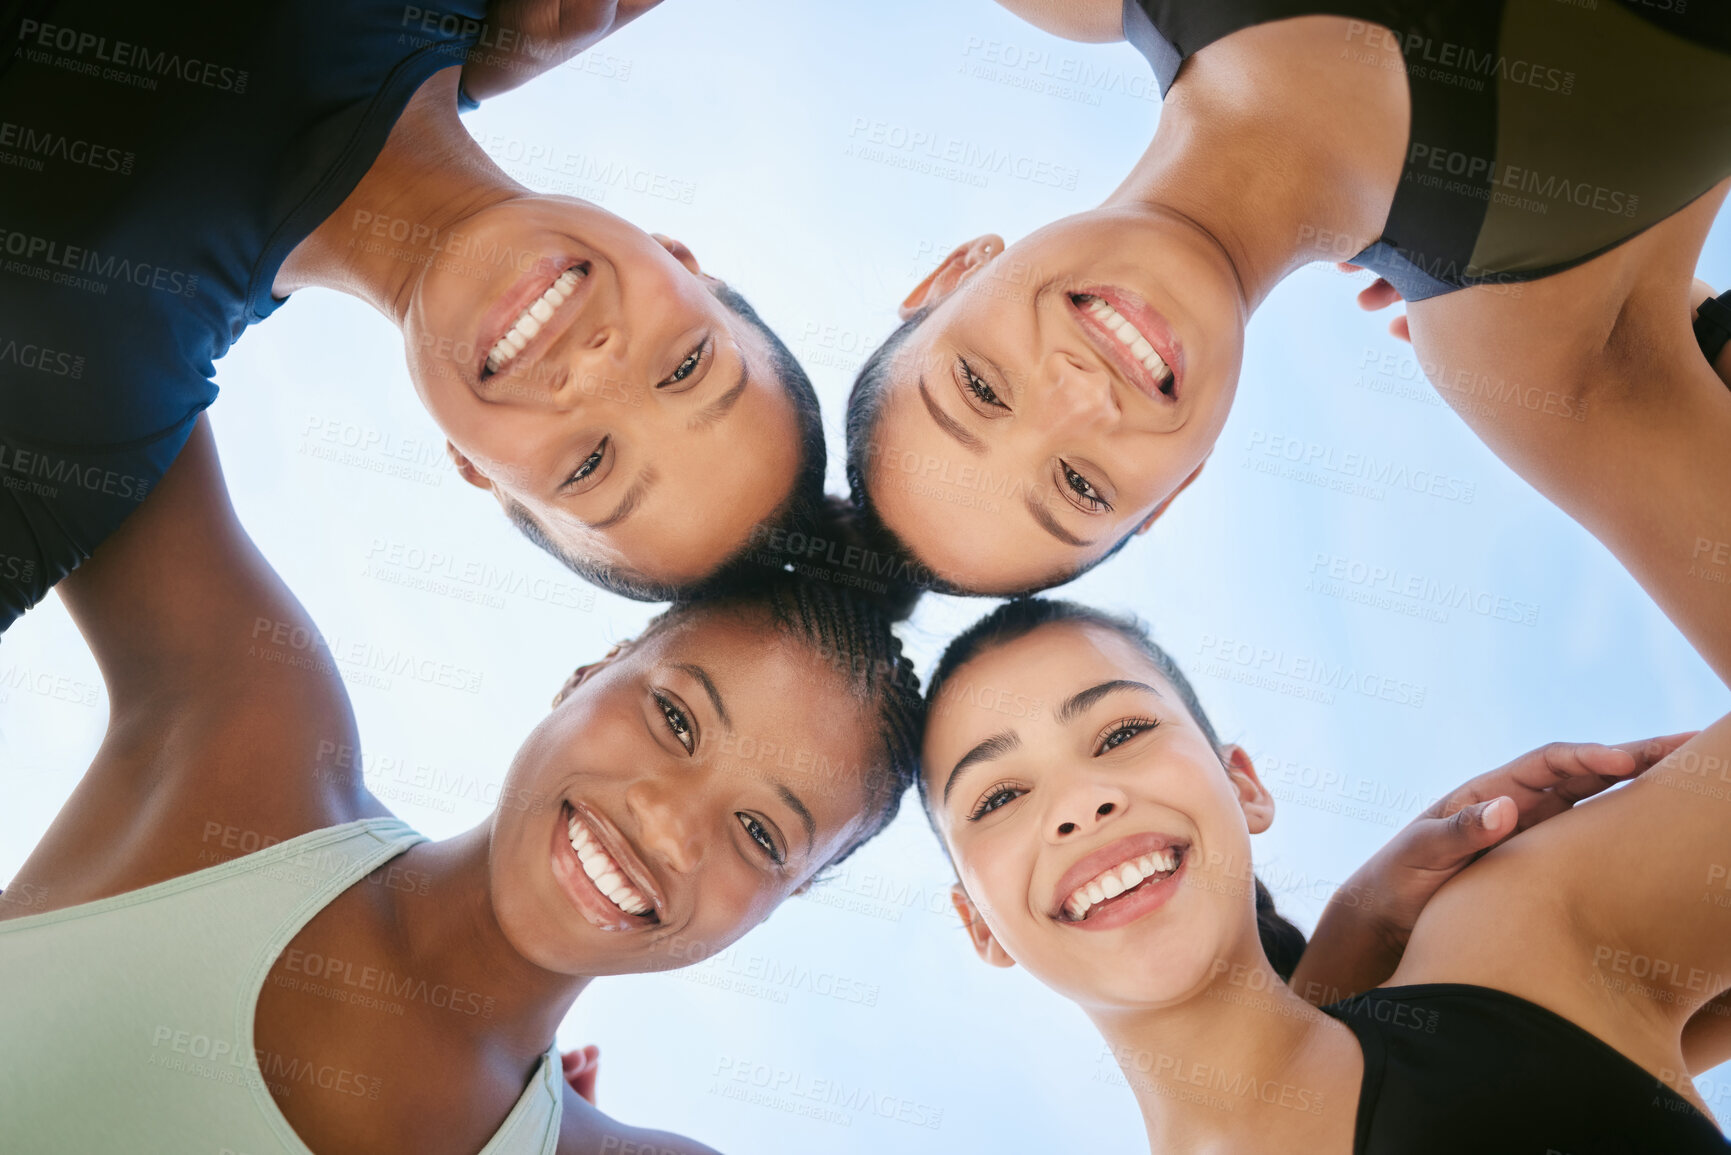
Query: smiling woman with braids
[(626, 840), (1104, 845)]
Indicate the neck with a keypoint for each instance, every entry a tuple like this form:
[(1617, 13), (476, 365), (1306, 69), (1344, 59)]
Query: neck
[(448, 933), (1304, 170), (429, 177), (1241, 1059)]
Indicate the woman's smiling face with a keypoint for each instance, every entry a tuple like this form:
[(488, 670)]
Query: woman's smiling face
[(588, 374), (1099, 838), (677, 795), (1057, 395)]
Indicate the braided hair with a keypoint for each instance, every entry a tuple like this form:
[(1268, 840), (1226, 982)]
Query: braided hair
[(1282, 942)]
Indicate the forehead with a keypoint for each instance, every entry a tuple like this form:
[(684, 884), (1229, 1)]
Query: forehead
[(1021, 684)]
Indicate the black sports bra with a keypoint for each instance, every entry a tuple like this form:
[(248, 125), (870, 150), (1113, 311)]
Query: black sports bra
[(1451, 1069), (1543, 132)]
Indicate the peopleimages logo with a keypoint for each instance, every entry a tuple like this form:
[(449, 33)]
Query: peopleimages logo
[(136, 64)]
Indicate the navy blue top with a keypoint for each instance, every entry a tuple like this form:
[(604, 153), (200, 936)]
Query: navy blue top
[(1451, 1068), (1543, 132), (157, 164)]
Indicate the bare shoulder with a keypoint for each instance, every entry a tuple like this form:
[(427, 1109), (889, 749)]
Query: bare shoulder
[(585, 1130), (1084, 21), (1605, 915), (228, 730)]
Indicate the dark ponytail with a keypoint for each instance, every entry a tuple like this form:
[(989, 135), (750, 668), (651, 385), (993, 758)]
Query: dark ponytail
[(1282, 942)]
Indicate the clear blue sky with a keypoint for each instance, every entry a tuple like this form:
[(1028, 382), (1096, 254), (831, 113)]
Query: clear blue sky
[(735, 125)]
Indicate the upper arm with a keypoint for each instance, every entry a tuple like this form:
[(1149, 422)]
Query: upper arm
[(1085, 21), (1611, 914), (222, 703), (584, 1130)]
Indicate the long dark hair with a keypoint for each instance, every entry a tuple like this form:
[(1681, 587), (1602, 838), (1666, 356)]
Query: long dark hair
[(1282, 942)]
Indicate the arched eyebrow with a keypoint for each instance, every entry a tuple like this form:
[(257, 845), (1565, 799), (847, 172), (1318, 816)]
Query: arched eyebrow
[(709, 688), (996, 746), (802, 812), (1047, 522), (949, 424), (1079, 702), (724, 404), (633, 498)]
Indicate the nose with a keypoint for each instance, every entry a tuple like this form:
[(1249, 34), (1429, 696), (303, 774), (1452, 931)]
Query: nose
[(595, 367), (1082, 809), (1079, 394), (665, 821)]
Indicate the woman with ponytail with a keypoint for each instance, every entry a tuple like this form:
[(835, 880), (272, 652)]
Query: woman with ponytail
[(1101, 838)]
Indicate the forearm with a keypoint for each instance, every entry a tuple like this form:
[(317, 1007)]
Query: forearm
[(1350, 952)]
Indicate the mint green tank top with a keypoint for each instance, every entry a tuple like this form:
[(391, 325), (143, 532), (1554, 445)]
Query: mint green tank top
[(126, 1024)]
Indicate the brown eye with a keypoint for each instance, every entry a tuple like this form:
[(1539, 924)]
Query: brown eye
[(976, 387), (998, 796), (1121, 732), (688, 367), (1083, 493), (761, 835), (678, 723)]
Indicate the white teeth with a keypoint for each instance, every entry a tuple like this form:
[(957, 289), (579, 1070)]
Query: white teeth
[(603, 871), (1111, 883), (529, 322), (1129, 336)]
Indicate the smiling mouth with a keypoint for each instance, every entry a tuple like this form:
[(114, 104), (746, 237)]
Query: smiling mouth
[(613, 883), (531, 320), (1134, 342), (1114, 884)]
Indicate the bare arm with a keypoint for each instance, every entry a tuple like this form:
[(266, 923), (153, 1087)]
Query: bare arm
[(1589, 384), (1610, 915), (584, 1130), (221, 700), (1085, 21), (1364, 930), (525, 38)]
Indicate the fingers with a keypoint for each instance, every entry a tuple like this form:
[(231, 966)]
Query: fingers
[(1400, 329), (1649, 752), (580, 1068), (1446, 844), (1380, 295)]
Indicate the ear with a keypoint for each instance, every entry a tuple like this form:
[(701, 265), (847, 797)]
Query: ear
[(978, 932), (680, 253), (951, 273), (1148, 522), (581, 673), (1253, 796), (466, 468)]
